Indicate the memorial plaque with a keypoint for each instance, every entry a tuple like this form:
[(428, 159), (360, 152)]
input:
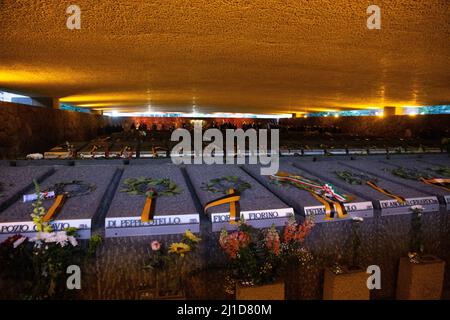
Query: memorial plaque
[(258, 205), (415, 192), (173, 213), (303, 201), (313, 152), (78, 211), (357, 151), (377, 151), (337, 151)]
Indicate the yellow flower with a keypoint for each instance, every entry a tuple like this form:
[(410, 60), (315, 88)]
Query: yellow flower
[(179, 248), (189, 235)]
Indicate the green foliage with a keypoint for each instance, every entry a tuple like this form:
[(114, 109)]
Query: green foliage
[(407, 173), (223, 184), (354, 178), (94, 242), (150, 187), (39, 212), (442, 170)]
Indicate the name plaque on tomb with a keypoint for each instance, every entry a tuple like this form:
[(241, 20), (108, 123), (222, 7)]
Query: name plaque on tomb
[(355, 209), (28, 228), (391, 206)]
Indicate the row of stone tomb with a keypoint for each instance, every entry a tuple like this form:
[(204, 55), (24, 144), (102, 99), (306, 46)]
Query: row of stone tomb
[(264, 200)]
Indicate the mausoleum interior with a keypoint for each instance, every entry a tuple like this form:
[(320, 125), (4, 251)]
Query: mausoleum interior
[(225, 150)]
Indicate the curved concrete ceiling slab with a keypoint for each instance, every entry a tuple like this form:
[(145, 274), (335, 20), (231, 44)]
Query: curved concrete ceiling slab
[(229, 55)]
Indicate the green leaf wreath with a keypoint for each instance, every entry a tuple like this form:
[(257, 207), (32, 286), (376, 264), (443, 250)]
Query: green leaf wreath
[(442, 170), (222, 184), (408, 173), (355, 178), (74, 188), (150, 187)]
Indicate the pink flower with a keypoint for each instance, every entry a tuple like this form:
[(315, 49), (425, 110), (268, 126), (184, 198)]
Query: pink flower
[(156, 245)]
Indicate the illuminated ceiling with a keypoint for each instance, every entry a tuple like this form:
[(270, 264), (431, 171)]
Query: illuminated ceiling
[(228, 56)]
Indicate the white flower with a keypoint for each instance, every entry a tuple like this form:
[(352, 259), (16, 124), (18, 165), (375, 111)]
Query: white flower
[(73, 241), (417, 207), (19, 241), (358, 219)]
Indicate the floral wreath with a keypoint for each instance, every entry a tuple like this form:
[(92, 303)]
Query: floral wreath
[(223, 184), (408, 173), (355, 178), (443, 170), (150, 187), (78, 188)]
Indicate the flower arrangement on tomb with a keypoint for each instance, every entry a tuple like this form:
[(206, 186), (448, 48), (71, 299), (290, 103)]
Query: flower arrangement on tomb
[(442, 170), (161, 254), (325, 193), (355, 178), (259, 256), (150, 187), (223, 184), (38, 264), (409, 173)]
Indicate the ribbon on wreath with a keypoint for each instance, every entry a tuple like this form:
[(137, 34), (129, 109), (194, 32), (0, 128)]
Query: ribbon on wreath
[(232, 198), (399, 199), (437, 182), (325, 194)]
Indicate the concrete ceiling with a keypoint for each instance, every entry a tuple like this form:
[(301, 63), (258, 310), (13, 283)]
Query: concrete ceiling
[(228, 55)]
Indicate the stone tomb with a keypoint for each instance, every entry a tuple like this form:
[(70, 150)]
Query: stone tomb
[(118, 147), (303, 202), (80, 212), (428, 168), (87, 152), (415, 192), (146, 150), (259, 207), (14, 181), (172, 214), (61, 152), (326, 170)]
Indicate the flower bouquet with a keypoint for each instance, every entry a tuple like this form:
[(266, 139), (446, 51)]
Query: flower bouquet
[(38, 264), (167, 261), (257, 258)]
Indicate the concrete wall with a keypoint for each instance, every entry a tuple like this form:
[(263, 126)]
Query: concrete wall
[(27, 129), (431, 126)]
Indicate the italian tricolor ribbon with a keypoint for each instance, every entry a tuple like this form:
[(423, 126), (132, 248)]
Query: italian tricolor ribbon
[(437, 182), (399, 199), (232, 198), (325, 194)]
